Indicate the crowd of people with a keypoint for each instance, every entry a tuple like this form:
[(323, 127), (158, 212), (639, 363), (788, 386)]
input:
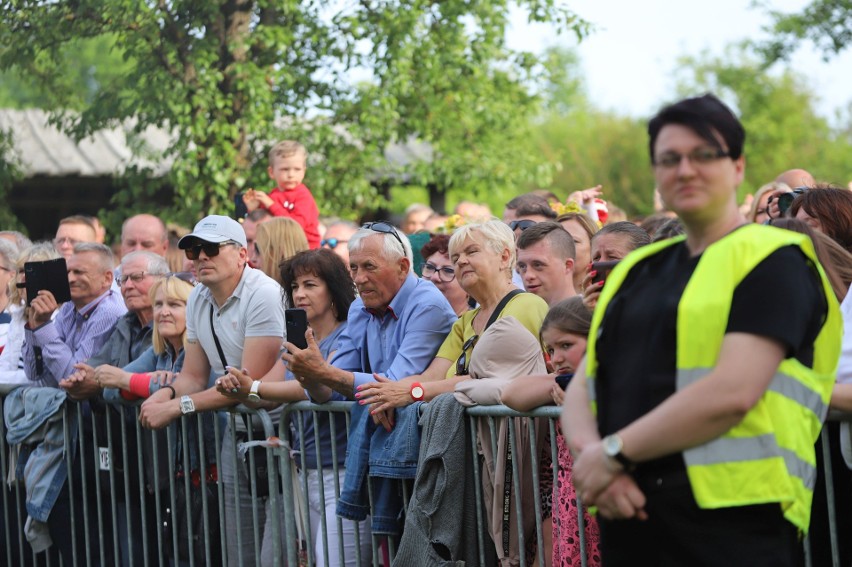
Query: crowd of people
[(696, 353)]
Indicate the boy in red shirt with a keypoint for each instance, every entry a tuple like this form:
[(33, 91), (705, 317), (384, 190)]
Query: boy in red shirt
[(290, 197)]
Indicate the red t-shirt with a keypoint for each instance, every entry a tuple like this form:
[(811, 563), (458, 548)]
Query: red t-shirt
[(299, 205)]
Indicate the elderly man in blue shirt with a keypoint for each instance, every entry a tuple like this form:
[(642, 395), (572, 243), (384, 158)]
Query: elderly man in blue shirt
[(395, 327)]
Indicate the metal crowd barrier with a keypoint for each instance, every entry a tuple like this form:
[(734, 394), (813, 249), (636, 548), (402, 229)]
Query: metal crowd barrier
[(117, 504)]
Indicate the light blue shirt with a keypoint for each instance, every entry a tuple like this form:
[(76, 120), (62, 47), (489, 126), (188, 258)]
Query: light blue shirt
[(399, 343)]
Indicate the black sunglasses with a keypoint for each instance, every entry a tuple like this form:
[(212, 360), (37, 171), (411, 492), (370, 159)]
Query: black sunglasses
[(332, 242), (461, 363), (210, 249), (521, 224), (384, 227)]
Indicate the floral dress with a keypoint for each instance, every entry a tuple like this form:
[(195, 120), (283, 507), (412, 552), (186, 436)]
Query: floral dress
[(566, 526)]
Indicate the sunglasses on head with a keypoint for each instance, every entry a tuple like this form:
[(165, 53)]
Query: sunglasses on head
[(521, 224), (210, 249), (183, 276), (331, 242), (384, 227), (461, 363)]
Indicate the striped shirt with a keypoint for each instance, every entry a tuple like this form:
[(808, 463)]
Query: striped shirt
[(50, 351)]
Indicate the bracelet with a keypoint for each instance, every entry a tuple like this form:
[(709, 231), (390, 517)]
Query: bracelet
[(174, 394)]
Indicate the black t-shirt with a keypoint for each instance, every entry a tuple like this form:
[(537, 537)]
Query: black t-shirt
[(781, 298)]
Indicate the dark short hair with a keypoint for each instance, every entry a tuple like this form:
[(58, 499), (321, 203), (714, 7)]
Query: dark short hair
[(560, 239), (705, 115), (438, 243), (636, 236), (531, 204), (258, 215), (832, 206), (327, 266)]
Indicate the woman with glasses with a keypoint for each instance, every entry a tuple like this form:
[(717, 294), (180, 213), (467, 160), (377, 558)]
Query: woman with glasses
[(277, 240), (709, 366), (11, 364), (438, 269), (319, 282)]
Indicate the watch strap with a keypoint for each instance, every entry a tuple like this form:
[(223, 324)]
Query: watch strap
[(254, 392)]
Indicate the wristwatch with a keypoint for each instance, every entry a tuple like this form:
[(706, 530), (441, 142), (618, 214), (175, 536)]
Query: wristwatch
[(254, 393), (187, 406), (612, 447), (417, 392)]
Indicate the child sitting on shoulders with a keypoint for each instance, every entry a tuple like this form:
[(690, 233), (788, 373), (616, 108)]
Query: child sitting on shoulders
[(290, 197)]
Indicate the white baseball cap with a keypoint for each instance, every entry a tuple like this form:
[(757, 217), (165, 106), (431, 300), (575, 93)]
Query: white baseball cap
[(216, 229)]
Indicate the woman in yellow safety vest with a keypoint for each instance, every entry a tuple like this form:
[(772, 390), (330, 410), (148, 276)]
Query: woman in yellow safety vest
[(709, 368)]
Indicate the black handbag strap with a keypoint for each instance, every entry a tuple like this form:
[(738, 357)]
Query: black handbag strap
[(500, 306), (216, 340)]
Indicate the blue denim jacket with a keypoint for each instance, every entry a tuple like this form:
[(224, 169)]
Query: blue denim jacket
[(381, 458), (34, 418)]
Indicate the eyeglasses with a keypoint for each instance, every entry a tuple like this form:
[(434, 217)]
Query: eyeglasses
[(210, 249), (445, 274), (461, 363), (521, 224), (331, 242), (61, 241), (384, 227), (135, 277), (698, 156), (183, 276)]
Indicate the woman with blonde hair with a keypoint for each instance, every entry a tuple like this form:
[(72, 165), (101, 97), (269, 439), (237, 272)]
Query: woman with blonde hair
[(758, 212), (11, 365), (277, 240)]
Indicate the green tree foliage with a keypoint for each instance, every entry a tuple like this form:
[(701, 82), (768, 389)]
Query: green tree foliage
[(825, 23), (589, 145), (783, 130), (9, 173), (229, 77)]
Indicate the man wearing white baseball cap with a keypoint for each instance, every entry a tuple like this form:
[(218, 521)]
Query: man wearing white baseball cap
[(235, 318)]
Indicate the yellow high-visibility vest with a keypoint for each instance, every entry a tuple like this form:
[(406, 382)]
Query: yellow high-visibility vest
[(769, 456)]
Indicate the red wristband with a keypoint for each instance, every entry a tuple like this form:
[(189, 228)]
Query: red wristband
[(140, 385)]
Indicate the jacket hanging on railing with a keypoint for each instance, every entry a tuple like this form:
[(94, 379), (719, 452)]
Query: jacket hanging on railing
[(505, 351), (440, 527), (34, 421), (382, 458)]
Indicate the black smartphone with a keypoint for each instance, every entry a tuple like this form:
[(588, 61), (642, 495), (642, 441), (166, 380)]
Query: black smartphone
[(603, 269), (297, 324), (51, 275), (240, 209)]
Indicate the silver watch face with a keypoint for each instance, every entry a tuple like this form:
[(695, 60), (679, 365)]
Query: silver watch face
[(253, 397), (611, 445), (186, 405)]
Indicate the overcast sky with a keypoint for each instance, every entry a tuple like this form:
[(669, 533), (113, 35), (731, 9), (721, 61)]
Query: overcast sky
[(628, 61)]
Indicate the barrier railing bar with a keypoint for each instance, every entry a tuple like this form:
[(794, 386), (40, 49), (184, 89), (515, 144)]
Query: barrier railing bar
[(532, 429)]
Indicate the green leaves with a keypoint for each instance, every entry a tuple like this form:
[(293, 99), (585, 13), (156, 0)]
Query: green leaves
[(231, 77)]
